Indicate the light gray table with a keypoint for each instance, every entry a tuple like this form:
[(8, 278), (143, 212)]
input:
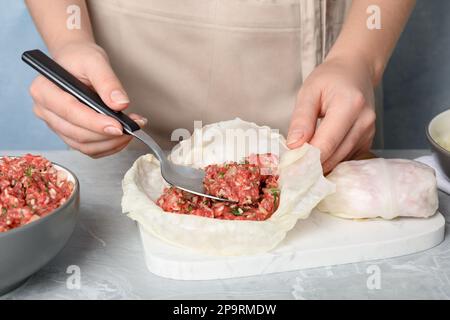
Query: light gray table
[(106, 249)]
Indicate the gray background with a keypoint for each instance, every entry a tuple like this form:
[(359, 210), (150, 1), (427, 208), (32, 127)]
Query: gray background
[(416, 82)]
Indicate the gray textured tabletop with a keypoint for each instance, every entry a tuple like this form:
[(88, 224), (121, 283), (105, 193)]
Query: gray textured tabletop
[(106, 249)]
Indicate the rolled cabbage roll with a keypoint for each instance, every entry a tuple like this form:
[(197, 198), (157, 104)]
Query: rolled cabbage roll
[(385, 188)]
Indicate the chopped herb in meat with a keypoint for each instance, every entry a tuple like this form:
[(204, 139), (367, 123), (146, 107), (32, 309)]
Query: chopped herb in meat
[(29, 172), (237, 211), (276, 194)]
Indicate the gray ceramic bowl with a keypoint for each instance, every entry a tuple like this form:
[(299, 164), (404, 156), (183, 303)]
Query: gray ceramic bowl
[(26, 249), (439, 130)]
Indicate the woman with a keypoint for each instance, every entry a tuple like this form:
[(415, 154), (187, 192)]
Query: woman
[(283, 63)]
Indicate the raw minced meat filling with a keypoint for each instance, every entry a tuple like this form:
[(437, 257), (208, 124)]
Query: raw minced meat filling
[(30, 188), (252, 185)]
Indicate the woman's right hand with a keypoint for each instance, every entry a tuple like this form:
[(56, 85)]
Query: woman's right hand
[(79, 126)]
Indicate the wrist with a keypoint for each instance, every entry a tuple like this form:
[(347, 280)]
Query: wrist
[(72, 40), (373, 66), (73, 46)]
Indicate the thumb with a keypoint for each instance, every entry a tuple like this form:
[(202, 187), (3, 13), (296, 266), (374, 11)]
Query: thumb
[(304, 117), (107, 85)]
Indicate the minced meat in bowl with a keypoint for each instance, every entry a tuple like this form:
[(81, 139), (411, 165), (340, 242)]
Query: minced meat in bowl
[(31, 187), (252, 185)]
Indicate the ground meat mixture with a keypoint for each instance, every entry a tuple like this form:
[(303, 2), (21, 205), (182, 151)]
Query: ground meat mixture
[(253, 185), (30, 188)]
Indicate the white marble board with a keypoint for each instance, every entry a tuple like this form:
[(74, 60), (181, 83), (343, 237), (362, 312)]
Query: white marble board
[(321, 240)]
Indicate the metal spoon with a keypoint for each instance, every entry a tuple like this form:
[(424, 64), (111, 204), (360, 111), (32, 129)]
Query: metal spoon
[(183, 177)]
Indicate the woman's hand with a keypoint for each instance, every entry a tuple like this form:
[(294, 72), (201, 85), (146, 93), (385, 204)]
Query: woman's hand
[(79, 126), (340, 93)]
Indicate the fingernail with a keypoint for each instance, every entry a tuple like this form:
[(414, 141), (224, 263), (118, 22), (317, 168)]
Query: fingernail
[(119, 97), (141, 121), (114, 131), (294, 136)]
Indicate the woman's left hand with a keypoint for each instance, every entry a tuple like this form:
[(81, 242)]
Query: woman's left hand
[(340, 93)]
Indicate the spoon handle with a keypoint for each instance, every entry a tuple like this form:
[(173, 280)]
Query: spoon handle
[(67, 82)]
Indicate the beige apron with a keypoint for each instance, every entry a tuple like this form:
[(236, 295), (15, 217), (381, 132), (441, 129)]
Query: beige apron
[(213, 60)]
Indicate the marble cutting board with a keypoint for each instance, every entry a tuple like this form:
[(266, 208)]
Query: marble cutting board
[(321, 240)]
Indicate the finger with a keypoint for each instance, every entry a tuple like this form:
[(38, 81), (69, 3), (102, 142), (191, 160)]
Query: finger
[(38, 111), (69, 108), (110, 152), (345, 149), (105, 82), (304, 118), (96, 148), (358, 139), (335, 125), (61, 126), (140, 120), (363, 150), (365, 144)]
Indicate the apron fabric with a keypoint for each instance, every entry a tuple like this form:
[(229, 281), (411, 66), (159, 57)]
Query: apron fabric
[(182, 61)]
